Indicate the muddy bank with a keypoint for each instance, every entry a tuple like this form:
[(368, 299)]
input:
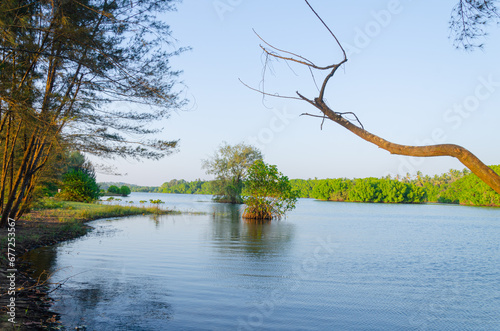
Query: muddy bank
[(31, 308), (32, 304)]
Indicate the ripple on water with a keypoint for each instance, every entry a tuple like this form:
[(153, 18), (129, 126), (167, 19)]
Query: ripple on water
[(327, 266)]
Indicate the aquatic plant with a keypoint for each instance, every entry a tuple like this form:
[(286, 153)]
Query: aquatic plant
[(268, 194)]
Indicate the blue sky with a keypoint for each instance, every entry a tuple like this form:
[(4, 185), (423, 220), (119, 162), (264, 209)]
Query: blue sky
[(404, 80)]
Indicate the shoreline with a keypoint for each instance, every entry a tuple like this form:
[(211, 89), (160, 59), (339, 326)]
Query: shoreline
[(61, 222), (56, 223)]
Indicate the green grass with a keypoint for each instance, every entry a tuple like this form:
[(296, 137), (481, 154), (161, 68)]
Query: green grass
[(67, 211), (53, 221)]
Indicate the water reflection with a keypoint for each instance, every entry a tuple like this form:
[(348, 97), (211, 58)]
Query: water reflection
[(395, 268), (41, 261), (97, 303), (97, 282), (257, 239)]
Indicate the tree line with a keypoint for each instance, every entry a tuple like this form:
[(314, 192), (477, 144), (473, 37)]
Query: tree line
[(454, 186)]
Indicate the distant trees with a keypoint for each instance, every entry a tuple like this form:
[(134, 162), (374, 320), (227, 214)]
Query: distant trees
[(114, 189), (379, 190), (268, 193), (150, 189), (229, 164), (133, 188), (123, 190), (88, 74), (330, 189), (455, 186), (468, 189), (385, 190), (184, 187), (366, 190), (452, 187)]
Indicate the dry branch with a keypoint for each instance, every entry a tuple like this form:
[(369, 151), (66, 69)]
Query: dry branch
[(485, 173)]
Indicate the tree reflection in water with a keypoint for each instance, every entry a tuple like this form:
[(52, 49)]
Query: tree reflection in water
[(255, 238)]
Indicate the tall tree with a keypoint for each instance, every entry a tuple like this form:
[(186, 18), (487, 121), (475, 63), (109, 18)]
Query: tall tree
[(485, 173), (230, 164), (90, 74)]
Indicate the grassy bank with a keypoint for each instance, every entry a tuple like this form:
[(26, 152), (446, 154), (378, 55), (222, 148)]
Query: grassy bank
[(49, 222)]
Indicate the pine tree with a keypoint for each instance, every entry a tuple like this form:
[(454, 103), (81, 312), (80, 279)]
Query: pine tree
[(68, 71)]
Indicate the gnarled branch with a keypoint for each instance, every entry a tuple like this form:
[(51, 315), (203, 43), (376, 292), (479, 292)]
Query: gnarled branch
[(485, 173)]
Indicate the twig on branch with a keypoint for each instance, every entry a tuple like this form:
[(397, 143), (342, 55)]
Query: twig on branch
[(307, 62), (353, 114), (313, 78), (304, 60), (324, 116), (268, 94), (326, 26), (305, 99), (312, 115)]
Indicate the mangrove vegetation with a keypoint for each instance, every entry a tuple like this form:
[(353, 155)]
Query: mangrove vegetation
[(454, 186), (268, 194)]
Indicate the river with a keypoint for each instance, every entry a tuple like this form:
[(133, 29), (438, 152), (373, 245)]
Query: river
[(327, 266)]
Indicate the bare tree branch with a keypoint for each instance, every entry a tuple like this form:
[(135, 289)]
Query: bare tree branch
[(302, 60), (268, 94), (463, 155), (326, 26), (307, 62)]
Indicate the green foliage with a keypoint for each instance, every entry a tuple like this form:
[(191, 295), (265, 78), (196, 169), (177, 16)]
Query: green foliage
[(184, 187), (229, 164), (228, 190), (303, 187), (452, 187), (79, 185), (125, 190), (114, 189), (370, 189), (47, 203), (331, 189), (61, 162), (95, 53), (365, 190), (78, 182), (133, 187), (268, 193), (470, 190), (146, 189), (76, 160)]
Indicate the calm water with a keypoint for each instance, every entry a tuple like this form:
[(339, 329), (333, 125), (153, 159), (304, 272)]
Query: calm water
[(328, 266)]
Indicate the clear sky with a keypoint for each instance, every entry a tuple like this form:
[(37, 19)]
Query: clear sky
[(404, 80)]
